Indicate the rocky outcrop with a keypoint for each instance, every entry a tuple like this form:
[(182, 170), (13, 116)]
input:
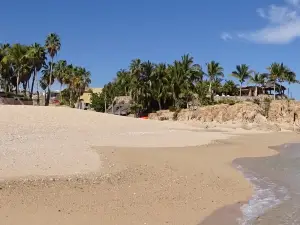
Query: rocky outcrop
[(272, 115)]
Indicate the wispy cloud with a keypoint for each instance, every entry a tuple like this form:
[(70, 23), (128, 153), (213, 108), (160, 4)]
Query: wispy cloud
[(226, 36), (293, 2), (283, 24)]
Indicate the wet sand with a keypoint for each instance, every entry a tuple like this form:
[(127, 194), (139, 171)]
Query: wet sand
[(183, 185)]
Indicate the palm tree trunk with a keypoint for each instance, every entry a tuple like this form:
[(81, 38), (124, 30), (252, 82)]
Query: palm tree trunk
[(241, 89), (210, 90), (49, 85), (71, 97), (60, 90), (37, 92), (17, 86), (159, 104), (32, 84), (28, 85), (25, 87), (274, 89)]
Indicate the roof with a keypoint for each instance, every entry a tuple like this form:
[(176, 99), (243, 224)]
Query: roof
[(270, 84)]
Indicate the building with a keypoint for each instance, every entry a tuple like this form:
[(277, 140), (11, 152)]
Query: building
[(268, 88), (85, 98)]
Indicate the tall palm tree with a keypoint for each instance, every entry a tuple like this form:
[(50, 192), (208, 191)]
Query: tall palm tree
[(257, 79), (290, 78), (6, 72), (159, 83), (123, 80), (17, 55), (45, 80), (37, 57), (52, 45), (214, 71), (242, 73), (135, 83), (60, 71), (277, 71), (148, 69)]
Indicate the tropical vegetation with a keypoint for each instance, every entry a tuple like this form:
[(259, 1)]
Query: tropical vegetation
[(159, 86), (24, 69)]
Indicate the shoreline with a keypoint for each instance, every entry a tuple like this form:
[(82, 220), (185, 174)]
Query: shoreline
[(183, 185), (232, 214)]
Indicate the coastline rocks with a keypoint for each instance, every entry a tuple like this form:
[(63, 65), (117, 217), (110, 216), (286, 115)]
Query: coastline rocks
[(280, 114), (240, 112)]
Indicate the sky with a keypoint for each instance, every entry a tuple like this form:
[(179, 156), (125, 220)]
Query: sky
[(105, 35)]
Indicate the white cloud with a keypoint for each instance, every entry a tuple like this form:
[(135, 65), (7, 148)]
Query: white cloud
[(293, 2), (226, 36), (283, 24)]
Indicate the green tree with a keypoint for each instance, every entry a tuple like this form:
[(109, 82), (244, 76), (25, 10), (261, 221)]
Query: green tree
[(229, 88), (242, 73), (159, 83), (61, 73), (277, 71), (214, 71), (257, 79), (98, 102), (6, 72), (52, 44), (17, 56), (37, 57)]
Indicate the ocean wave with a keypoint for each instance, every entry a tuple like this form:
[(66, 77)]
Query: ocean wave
[(266, 196)]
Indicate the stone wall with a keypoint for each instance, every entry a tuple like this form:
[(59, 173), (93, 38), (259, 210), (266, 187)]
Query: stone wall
[(14, 101), (242, 98)]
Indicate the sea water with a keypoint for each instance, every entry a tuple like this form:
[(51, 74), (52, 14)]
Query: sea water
[(276, 182)]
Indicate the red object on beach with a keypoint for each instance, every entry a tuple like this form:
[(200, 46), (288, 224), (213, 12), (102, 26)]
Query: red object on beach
[(144, 117)]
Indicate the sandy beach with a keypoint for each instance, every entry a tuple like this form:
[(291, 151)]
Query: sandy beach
[(67, 166)]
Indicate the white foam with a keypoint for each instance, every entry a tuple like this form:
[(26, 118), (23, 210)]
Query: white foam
[(266, 196)]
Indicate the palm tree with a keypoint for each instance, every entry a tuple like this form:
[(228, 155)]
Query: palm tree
[(257, 79), (37, 57), (52, 45), (6, 72), (60, 71), (45, 80), (242, 73), (277, 71), (123, 80), (290, 77), (214, 70), (176, 80), (135, 81), (159, 83), (17, 56)]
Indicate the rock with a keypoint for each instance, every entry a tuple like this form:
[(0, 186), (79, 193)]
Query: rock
[(265, 116)]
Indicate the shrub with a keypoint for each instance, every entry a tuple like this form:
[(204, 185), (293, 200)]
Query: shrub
[(175, 114), (256, 101), (266, 106), (227, 101), (172, 109)]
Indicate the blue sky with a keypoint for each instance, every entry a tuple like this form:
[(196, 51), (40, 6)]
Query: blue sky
[(104, 36)]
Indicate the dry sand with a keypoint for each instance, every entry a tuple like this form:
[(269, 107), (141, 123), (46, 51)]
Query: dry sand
[(132, 171), (58, 141)]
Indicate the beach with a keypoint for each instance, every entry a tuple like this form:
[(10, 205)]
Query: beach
[(67, 166)]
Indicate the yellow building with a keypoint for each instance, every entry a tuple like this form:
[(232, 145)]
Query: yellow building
[(86, 96)]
